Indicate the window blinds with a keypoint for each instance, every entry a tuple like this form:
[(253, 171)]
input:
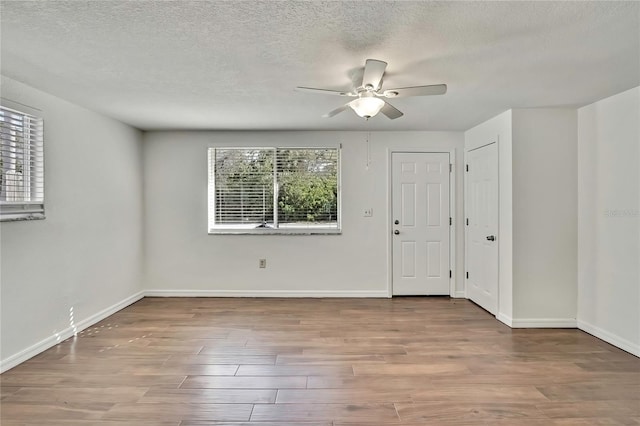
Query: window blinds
[(21, 165), (244, 186), (273, 188)]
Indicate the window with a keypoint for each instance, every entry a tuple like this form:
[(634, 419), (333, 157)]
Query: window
[(274, 190), (21, 166)]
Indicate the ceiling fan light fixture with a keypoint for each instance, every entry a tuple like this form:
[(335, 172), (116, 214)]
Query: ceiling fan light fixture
[(367, 107)]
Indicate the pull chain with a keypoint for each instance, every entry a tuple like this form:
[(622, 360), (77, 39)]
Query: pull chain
[(368, 150)]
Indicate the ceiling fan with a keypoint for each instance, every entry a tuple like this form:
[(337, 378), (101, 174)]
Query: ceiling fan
[(368, 95)]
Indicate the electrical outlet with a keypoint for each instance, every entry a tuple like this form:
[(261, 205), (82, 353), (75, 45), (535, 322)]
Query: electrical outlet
[(368, 212), (262, 263)]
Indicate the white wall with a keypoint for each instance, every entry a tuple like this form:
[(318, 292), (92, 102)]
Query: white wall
[(87, 254), (181, 258), (545, 216), (609, 219), (537, 233), (498, 129)]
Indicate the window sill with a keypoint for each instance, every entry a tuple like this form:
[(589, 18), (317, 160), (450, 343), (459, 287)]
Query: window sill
[(267, 231), (21, 217)]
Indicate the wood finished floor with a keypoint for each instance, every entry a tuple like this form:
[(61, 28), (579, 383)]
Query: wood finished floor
[(321, 362)]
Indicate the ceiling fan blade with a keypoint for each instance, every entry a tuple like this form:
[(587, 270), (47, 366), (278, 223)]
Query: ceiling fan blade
[(435, 89), (336, 111), (325, 91), (391, 111), (373, 72)]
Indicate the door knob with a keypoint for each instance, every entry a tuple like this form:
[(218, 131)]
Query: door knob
[(491, 238), (396, 232), (397, 222)]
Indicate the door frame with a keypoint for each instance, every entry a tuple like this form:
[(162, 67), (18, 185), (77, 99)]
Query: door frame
[(452, 213), (466, 232)]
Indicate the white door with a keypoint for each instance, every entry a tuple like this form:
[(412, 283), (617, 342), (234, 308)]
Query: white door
[(420, 223), (482, 229)]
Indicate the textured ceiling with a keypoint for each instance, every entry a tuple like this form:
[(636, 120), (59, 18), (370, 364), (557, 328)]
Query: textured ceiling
[(234, 64)]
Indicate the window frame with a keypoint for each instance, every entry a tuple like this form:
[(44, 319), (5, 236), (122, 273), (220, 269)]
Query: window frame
[(32, 209), (285, 230)]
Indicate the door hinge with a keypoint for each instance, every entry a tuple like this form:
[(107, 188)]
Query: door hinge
[(450, 221), (467, 221), (467, 275), (467, 167), (450, 168), (450, 273)]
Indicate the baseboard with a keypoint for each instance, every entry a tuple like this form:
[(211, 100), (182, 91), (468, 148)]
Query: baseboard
[(505, 319), (460, 294), (611, 338), (536, 322), (43, 345), (266, 293), (544, 323)]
